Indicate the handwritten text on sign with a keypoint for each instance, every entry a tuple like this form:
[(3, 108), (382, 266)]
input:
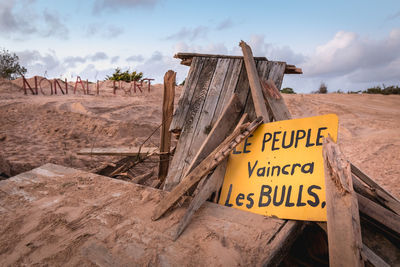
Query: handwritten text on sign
[(279, 170)]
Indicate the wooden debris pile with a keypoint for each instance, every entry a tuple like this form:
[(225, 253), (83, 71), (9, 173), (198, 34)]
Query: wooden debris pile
[(224, 100)]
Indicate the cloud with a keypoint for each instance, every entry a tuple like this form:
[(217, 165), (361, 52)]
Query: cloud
[(98, 56), (13, 20), (138, 58), (394, 16), (189, 33), (46, 64), (225, 24), (101, 5), (18, 18), (98, 29), (114, 59), (54, 25), (71, 62), (156, 56)]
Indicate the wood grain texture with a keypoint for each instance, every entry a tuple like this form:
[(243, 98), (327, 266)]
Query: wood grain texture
[(117, 151), (344, 231), (207, 165), (254, 81), (190, 123), (168, 109)]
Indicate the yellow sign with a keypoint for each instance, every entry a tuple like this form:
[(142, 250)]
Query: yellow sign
[(279, 170)]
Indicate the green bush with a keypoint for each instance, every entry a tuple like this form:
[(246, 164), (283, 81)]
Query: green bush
[(125, 76), (9, 66), (287, 90)]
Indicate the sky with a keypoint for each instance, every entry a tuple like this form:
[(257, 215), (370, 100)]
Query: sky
[(348, 45)]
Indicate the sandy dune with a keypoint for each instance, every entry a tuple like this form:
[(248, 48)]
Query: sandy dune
[(35, 130)]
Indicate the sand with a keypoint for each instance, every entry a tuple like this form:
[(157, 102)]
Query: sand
[(37, 129)]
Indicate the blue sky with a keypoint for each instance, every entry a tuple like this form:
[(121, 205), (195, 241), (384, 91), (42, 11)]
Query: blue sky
[(349, 45)]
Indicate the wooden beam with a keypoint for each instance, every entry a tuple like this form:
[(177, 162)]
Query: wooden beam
[(117, 151), (168, 109), (344, 231), (380, 214), (214, 182), (208, 164), (275, 101), (384, 197), (222, 128), (187, 60), (372, 258), (254, 81)]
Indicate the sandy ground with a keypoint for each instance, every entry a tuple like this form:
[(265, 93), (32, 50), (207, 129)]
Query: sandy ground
[(35, 130)]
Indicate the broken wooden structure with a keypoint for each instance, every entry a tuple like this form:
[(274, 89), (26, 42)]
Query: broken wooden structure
[(221, 94)]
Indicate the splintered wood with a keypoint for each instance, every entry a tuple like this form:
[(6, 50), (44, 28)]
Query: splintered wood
[(344, 232)]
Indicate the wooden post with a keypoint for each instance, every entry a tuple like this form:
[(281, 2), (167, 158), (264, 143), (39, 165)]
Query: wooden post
[(254, 81), (344, 232), (168, 109)]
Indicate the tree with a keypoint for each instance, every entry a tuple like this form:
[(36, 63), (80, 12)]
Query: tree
[(323, 88), (125, 76), (9, 66), (287, 90)]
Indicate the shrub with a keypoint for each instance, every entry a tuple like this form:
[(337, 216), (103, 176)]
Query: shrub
[(9, 66), (118, 75), (287, 90), (323, 88)]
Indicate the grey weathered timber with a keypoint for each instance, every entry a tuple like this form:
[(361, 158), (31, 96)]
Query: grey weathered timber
[(117, 151), (254, 80), (168, 109), (182, 153), (344, 231), (187, 60), (206, 166), (214, 181), (380, 194), (187, 95)]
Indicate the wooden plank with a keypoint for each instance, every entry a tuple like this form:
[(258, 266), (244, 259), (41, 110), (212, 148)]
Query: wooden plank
[(208, 164), (389, 200), (204, 126), (117, 151), (142, 178), (254, 80), (368, 192), (385, 217), (190, 123), (280, 245), (372, 258), (214, 182), (228, 88), (344, 232), (222, 128), (187, 95), (168, 109)]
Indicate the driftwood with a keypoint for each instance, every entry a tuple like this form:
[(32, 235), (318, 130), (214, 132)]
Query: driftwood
[(141, 178), (168, 109), (207, 165), (344, 232), (117, 151)]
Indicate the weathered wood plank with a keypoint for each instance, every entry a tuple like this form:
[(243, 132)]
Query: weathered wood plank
[(187, 95), (191, 118), (208, 164), (222, 128), (213, 183), (384, 216), (117, 151), (210, 103), (228, 88), (381, 194), (254, 81), (344, 232), (168, 109), (372, 258)]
